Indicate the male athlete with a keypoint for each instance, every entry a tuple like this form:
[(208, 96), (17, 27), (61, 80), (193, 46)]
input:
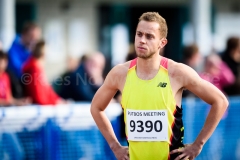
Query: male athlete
[(151, 88)]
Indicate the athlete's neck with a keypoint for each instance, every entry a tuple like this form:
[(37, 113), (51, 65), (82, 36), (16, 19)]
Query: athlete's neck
[(147, 68)]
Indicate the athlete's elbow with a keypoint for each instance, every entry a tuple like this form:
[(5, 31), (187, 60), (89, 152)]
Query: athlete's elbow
[(94, 109), (226, 102), (223, 102)]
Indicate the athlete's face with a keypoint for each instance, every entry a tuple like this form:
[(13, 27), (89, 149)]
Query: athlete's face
[(148, 40)]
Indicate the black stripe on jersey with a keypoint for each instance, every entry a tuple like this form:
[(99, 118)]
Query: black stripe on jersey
[(177, 134)]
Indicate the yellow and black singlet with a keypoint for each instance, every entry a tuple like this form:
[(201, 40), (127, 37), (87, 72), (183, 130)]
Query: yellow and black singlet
[(153, 120)]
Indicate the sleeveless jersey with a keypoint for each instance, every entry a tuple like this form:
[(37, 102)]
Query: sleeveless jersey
[(140, 98)]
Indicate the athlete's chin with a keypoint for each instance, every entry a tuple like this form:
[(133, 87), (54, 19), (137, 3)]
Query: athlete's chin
[(144, 55)]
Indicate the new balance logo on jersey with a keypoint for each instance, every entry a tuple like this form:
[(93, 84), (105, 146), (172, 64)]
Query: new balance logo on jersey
[(162, 84)]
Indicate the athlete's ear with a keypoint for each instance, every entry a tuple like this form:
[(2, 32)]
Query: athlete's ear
[(163, 42)]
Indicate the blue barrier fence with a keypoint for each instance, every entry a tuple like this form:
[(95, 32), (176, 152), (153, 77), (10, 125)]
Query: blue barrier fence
[(224, 144), (69, 132)]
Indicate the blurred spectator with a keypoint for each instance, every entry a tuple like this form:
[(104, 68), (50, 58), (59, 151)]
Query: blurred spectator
[(86, 80), (59, 83), (191, 56), (232, 58), (19, 53), (22, 46), (5, 88), (35, 80), (6, 98), (217, 72), (16, 85)]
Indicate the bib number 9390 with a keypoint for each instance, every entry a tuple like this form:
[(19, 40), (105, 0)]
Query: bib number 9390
[(147, 125)]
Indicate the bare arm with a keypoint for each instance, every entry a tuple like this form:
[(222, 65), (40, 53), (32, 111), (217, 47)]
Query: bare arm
[(99, 104), (210, 94)]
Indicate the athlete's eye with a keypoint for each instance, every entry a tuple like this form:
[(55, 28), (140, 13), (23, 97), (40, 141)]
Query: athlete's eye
[(149, 36), (139, 34)]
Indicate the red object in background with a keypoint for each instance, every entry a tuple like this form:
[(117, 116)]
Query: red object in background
[(222, 78), (37, 87), (5, 87)]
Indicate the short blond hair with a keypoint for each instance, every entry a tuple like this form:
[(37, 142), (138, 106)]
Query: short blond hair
[(155, 17)]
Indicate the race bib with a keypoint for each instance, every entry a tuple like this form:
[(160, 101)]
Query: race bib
[(147, 125)]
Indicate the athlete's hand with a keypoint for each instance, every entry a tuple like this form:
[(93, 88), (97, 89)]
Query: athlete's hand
[(189, 152), (121, 153)]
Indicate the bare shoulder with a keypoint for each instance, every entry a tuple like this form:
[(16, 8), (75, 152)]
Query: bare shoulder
[(117, 76), (176, 68), (120, 70), (185, 77), (182, 74)]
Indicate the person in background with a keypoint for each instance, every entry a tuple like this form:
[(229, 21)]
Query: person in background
[(191, 56), (35, 80), (231, 57), (6, 98), (22, 46), (60, 83), (88, 77), (217, 72), (18, 53)]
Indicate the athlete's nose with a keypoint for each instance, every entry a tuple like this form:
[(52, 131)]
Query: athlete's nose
[(142, 40)]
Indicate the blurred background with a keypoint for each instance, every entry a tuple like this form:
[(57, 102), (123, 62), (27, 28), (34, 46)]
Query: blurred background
[(73, 27), (55, 54)]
